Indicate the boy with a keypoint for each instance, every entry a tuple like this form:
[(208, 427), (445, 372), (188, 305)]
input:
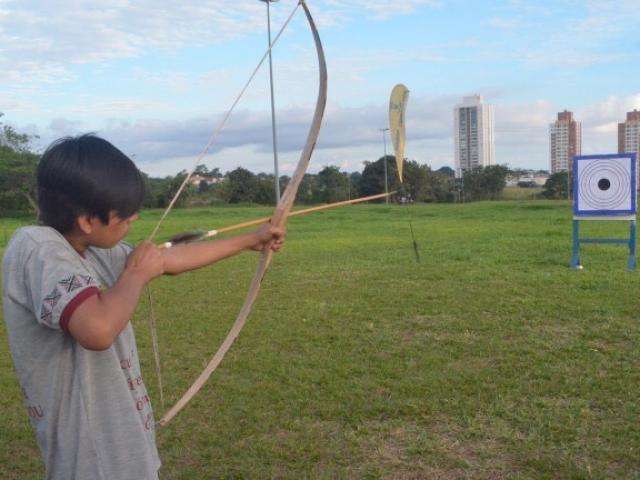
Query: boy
[(70, 289)]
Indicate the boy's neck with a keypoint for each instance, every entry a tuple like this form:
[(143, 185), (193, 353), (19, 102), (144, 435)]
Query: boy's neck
[(78, 242)]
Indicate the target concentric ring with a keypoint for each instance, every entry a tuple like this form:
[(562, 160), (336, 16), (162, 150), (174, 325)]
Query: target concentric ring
[(616, 174)]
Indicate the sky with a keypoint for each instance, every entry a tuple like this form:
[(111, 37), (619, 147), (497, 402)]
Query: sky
[(155, 78)]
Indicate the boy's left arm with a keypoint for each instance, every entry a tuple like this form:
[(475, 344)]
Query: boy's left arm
[(186, 257)]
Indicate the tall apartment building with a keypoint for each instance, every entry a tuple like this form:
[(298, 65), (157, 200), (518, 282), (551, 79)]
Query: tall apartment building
[(565, 141), (629, 133), (473, 134)]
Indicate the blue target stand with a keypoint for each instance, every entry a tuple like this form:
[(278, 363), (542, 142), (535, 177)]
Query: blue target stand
[(605, 189)]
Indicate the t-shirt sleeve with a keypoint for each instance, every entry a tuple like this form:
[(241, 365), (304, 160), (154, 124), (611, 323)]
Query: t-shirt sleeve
[(58, 283)]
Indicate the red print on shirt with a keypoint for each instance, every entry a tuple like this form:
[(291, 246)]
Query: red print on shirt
[(35, 411), (62, 288)]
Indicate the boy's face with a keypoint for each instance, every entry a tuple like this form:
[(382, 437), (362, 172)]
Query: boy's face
[(108, 235)]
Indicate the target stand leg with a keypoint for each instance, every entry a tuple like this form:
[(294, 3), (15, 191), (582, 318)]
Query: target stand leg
[(575, 258), (632, 245)]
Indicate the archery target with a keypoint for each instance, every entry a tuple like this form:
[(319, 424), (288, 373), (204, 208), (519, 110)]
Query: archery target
[(605, 185)]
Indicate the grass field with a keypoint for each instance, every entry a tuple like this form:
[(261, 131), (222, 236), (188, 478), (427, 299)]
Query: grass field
[(490, 359), (519, 193)]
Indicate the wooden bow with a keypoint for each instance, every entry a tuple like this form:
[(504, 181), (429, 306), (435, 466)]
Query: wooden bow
[(279, 219)]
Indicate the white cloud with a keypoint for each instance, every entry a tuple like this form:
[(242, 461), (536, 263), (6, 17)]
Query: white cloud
[(570, 34), (42, 41), (379, 9), (600, 122)]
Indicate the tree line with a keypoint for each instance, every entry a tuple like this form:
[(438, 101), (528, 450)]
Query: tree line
[(18, 163)]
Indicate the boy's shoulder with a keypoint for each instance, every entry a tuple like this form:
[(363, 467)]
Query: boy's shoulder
[(33, 237), (37, 234), (47, 244), (30, 248)]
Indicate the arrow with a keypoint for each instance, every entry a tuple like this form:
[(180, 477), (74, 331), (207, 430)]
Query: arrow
[(197, 236)]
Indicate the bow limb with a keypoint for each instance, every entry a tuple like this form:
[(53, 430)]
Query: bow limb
[(278, 219)]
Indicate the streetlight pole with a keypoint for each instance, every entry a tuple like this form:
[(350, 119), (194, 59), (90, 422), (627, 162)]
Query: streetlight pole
[(273, 108), (386, 177)]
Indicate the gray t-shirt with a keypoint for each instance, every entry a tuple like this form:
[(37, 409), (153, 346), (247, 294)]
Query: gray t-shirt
[(90, 410)]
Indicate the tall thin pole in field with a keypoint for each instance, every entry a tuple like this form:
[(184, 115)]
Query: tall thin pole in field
[(274, 135), (386, 176)]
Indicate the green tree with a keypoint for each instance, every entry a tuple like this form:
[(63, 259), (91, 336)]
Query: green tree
[(443, 186), (472, 184), (494, 180), (265, 189), (163, 190), (241, 185), (484, 183), (18, 165), (425, 185), (446, 171), (201, 170), (307, 189), (17, 180), (355, 185), (203, 187), (155, 191), (373, 176), (556, 186), (416, 182), (332, 185), (18, 142)]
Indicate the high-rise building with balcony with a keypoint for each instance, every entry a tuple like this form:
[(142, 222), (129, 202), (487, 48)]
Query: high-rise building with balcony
[(473, 134), (565, 141), (629, 133)]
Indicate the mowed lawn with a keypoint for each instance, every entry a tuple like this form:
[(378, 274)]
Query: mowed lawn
[(489, 359)]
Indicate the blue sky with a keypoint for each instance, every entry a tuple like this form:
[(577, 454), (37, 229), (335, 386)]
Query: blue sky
[(156, 77)]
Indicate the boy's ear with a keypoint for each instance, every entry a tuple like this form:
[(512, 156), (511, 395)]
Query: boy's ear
[(85, 224)]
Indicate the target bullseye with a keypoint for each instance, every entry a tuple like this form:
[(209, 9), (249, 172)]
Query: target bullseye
[(604, 184)]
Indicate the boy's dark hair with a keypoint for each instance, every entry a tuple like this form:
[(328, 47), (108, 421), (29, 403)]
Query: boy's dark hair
[(86, 175)]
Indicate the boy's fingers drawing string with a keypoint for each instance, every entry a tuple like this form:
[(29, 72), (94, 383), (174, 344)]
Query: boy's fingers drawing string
[(216, 132)]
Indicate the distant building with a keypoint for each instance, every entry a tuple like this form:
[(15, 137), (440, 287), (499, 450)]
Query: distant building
[(473, 134), (196, 180), (629, 133), (565, 141), (529, 177)]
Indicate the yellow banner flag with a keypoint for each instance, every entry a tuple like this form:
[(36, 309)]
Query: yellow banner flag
[(397, 109)]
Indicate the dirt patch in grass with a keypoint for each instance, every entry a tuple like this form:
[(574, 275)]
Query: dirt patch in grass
[(437, 451)]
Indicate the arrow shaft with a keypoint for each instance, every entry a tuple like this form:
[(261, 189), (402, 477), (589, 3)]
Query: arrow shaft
[(260, 221)]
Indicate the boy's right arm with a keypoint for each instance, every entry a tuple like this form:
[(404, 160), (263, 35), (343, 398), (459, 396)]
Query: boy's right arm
[(97, 322)]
